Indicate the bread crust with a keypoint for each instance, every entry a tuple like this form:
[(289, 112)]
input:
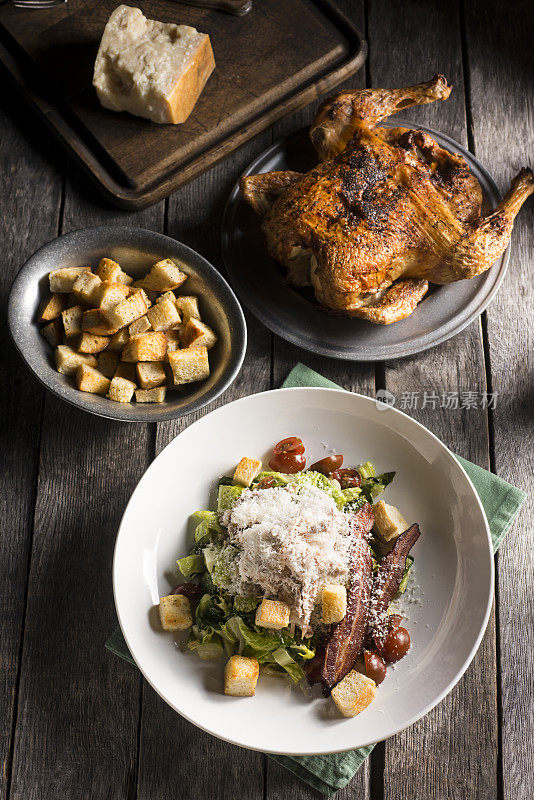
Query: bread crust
[(185, 93)]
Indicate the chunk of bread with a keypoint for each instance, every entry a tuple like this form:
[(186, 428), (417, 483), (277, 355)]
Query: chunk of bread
[(175, 612), (94, 321), (91, 343), (354, 693), (195, 333), (107, 362), (119, 340), (112, 294), (163, 316), (389, 522), (68, 360), (272, 614), (151, 69), (87, 288), (63, 280), (173, 341), (150, 374), (166, 296), (156, 395), (51, 307), (109, 270), (149, 346), (72, 321), (125, 370), (128, 310), (121, 390), (164, 276), (53, 332), (187, 305), (141, 325), (334, 602), (246, 470), (241, 676), (89, 379), (189, 365)]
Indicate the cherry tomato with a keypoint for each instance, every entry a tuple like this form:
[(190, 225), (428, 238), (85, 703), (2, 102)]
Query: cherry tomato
[(348, 478), (396, 645), (374, 666), (189, 590), (266, 483), (287, 462), (290, 445), (328, 464)]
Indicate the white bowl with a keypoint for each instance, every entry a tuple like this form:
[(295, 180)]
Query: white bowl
[(453, 567)]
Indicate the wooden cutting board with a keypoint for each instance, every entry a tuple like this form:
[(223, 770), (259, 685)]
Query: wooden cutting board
[(275, 59)]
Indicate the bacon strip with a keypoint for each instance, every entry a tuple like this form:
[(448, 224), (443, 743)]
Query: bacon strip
[(387, 581), (347, 638)]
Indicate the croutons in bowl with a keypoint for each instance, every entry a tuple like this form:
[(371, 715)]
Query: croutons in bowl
[(127, 323)]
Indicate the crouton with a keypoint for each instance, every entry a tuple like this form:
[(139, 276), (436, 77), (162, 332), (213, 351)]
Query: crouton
[(149, 346), (119, 340), (187, 305), (272, 614), (63, 280), (91, 343), (53, 332), (163, 316), (195, 333), (354, 693), (246, 470), (166, 296), (189, 365), (156, 395), (121, 390), (241, 676), (111, 294), (164, 276), (128, 310), (334, 602), (51, 307), (109, 270), (173, 341), (389, 522), (141, 325), (72, 321), (87, 288), (125, 370), (68, 360), (107, 363), (94, 321), (150, 374), (89, 379), (175, 612)]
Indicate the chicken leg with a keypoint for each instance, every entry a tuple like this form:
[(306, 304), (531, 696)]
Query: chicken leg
[(340, 116)]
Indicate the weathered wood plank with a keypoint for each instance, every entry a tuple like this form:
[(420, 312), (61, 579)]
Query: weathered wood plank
[(409, 43), (23, 165), (77, 733), (280, 783), (501, 74), (173, 752)]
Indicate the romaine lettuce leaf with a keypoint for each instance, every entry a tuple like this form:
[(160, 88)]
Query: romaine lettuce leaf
[(294, 670), (227, 496), (191, 565), (328, 485), (222, 564), (244, 605)]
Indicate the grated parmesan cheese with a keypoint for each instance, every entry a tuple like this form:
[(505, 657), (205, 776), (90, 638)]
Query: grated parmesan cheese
[(291, 540)]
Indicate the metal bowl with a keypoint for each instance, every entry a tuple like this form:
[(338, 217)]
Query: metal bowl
[(136, 250)]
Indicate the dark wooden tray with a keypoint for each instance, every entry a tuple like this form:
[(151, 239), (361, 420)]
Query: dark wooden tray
[(275, 59)]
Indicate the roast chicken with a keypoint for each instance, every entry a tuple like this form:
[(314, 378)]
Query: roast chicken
[(386, 211)]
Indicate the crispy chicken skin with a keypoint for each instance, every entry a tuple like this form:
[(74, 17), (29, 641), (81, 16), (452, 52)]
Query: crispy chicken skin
[(386, 210)]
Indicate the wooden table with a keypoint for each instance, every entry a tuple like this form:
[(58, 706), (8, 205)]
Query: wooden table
[(75, 722)]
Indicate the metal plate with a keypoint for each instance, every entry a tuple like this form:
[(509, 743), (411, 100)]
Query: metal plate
[(136, 250), (259, 281)]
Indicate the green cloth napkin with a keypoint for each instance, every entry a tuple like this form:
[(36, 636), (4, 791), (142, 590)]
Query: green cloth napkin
[(501, 503)]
